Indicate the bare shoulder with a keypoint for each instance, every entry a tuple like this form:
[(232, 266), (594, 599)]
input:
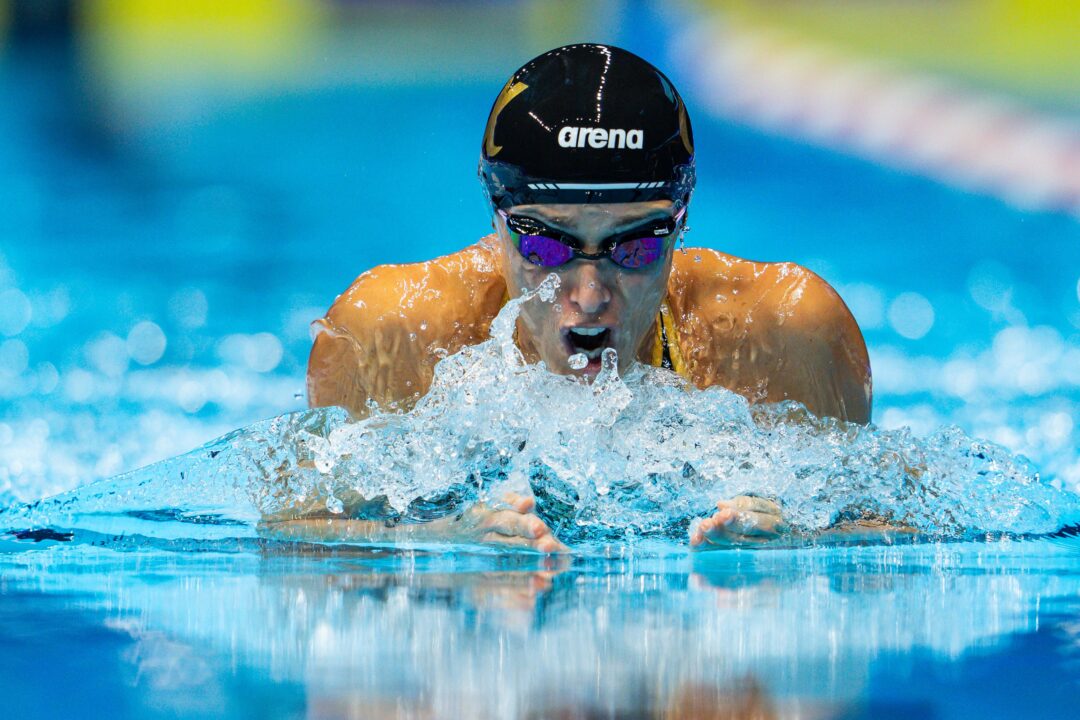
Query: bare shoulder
[(451, 287), (709, 279), (775, 326), (381, 337)]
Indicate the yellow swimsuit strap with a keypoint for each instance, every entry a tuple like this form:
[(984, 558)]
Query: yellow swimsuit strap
[(666, 352)]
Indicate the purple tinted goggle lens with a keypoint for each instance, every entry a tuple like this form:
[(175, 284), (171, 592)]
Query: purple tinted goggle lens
[(548, 251), (544, 250)]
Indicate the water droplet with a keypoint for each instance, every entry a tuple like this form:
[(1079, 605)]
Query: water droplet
[(15, 312), (146, 343), (423, 326), (334, 505), (546, 289), (578, 361), (412, 336), (911, 315)]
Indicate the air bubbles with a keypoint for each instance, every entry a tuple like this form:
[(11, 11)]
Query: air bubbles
[(191, 395), (911, 315), (1056, 428), (990, 285), (866, 303), (79, 385), (960, 377), (261, 352), (51, 308), (108, 354), (15, 312), (264, 352), (48, 378), (146, 343), (578, 361), (14, 358)]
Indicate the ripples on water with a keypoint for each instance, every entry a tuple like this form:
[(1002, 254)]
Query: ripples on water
[(621, 458)]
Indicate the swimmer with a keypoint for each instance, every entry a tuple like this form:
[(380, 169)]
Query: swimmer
[(587, 162)]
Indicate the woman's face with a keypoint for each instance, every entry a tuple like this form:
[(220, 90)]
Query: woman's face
[(599, 304)]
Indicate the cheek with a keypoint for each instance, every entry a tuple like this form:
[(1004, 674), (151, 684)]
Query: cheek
[(642, 295), (640, 290), (524, 275), (542, 319)]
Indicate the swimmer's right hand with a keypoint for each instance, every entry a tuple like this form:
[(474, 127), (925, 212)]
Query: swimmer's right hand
[(512, 524)]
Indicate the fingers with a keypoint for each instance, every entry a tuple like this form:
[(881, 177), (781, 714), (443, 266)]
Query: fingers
[(512, 523), (729, 526), (550, 544), (520, 503), (753, 524), (546, 543), (750, 503), (513, 528)]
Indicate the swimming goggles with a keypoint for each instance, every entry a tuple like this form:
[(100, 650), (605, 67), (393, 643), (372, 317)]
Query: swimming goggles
[(631, 249)]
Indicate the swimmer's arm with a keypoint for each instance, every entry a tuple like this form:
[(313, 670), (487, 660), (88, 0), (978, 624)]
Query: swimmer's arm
[(379, 341), (752, 520), (513, 525), (824, 363), (869, 530), (333, 529), (362, 351), (743, 520)]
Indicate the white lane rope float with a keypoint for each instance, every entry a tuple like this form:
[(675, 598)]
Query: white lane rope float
[(969, 139)]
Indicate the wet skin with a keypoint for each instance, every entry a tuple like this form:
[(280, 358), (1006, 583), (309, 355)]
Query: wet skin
[(769, 331)]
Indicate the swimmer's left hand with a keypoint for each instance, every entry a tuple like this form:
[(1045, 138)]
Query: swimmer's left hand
[(742, 520)]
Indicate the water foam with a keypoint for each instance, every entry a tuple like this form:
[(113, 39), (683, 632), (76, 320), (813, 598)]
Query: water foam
[(621, 457)]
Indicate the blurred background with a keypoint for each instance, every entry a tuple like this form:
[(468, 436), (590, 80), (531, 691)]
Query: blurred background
[(185, 186)]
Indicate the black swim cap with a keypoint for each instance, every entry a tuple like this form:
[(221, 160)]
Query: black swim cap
[(587, 124)]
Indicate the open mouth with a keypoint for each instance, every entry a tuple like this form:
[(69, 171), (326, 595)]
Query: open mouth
[(590, 342)]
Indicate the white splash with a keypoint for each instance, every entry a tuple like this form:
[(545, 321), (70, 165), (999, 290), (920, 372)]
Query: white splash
[(621, 457)]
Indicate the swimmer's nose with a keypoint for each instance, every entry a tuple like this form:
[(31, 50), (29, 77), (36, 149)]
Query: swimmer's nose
[(588, 293)]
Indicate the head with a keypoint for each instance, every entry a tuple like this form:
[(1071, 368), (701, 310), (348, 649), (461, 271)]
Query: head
[(588, 164)]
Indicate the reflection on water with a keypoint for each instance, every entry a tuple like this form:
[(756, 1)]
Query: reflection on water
[(363, 633)]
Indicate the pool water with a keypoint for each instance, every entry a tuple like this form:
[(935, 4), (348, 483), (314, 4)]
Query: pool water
[(157, 279), (948, 631)]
